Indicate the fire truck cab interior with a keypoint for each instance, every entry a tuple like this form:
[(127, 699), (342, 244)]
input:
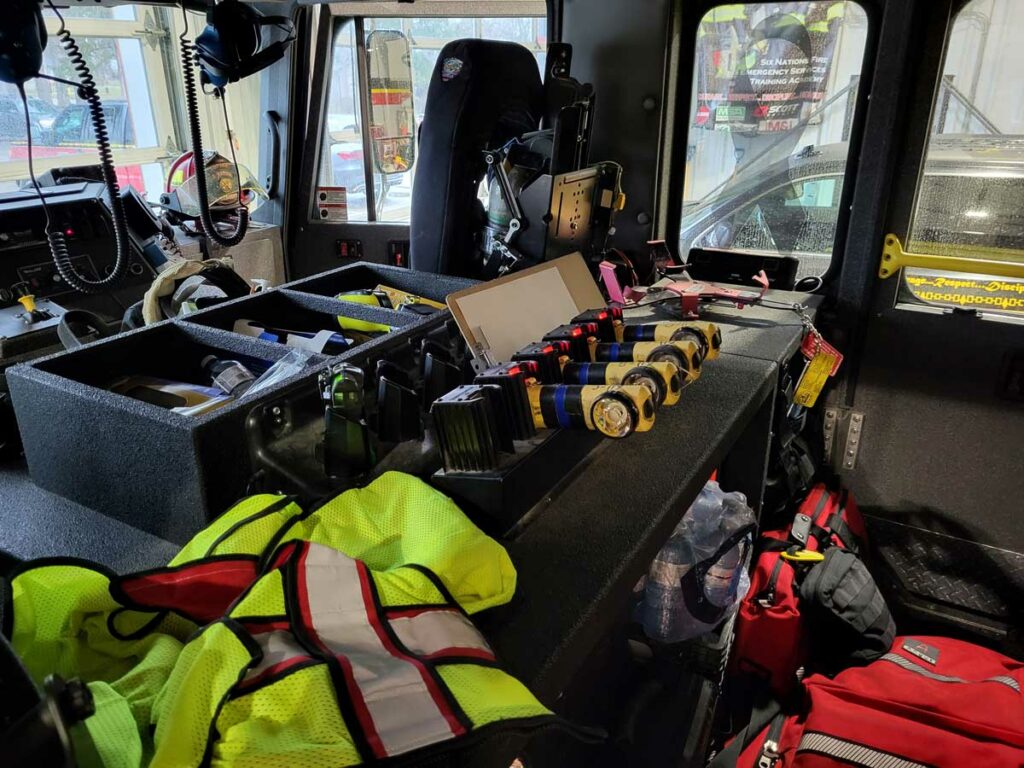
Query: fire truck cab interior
[(291, 257)]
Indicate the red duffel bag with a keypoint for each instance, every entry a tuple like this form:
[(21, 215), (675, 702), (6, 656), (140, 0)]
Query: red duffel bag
[(771, 634), (930, 702)]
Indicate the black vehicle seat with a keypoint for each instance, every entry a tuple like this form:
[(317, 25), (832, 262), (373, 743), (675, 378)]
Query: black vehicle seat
[(482, 94)]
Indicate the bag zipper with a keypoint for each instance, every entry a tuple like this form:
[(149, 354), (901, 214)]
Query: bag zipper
[(767, 597), (917, 669)]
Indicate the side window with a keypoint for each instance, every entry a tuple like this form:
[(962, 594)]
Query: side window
[(343, 162), (774, 92), (970, 191), (132, 52)]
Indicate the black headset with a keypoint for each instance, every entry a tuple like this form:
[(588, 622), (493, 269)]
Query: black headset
[(22, 40), (232, 45)]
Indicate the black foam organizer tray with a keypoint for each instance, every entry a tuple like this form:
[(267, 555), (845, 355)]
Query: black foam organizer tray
[(161, 471)]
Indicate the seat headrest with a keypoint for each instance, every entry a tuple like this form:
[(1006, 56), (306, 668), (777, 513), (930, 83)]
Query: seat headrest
[(482, 94)]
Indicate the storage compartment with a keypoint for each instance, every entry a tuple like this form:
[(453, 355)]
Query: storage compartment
[(161, 471), (170, 473), (287, 432), (362, 276), (300, 315), (168, 350)]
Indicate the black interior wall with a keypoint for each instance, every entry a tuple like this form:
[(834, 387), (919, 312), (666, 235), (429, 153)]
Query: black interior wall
[(938, 439), (620, 47), (941, 447)]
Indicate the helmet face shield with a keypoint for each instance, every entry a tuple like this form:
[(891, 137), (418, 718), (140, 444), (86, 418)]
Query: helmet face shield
[(221, 184)]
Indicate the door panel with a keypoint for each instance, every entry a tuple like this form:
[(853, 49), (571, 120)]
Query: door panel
[(940, 456)]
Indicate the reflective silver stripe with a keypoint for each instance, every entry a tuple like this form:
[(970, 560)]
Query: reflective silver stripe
[(911, 666), (400, 710), (436, 631), (854, 754), (1005, 681), (278, 646)]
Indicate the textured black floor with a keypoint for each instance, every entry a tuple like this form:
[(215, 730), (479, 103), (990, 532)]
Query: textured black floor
[(945, 569), (35, 523)]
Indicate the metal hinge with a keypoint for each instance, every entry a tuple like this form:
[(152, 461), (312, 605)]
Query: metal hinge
[(153, 32), (853, 438), (843, 428)]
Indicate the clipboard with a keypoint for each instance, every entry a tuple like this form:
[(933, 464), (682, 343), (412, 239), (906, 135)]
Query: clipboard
[(499, 317)]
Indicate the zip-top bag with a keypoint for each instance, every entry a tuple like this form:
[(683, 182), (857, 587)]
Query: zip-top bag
[(772, 633), (929, 702)]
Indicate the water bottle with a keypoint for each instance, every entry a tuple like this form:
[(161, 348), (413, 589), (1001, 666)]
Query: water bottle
[(661, 612), (727, 580), (710, 522), (230, 376)]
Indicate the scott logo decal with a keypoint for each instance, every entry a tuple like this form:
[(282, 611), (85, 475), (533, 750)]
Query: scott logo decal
[(450, 69)]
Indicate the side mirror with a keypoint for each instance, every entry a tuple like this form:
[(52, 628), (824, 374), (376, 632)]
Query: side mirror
[(392, 117)]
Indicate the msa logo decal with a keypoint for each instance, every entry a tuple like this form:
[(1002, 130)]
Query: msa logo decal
[(923, 651), (450, 69)]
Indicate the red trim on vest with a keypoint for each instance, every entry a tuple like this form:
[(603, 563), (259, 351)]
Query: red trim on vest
[(203, 591), (465, 653)]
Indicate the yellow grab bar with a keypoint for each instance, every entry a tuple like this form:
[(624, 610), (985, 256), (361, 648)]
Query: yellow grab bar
[(894, 258)]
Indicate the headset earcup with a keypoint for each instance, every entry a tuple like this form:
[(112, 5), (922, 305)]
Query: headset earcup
[(238, 27), (229, 48), (22, 40)]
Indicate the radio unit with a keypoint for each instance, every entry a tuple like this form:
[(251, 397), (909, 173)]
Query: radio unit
[(80, 211)]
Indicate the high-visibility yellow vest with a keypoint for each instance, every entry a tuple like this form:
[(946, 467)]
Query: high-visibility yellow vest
[(726, 13), (281, 637)]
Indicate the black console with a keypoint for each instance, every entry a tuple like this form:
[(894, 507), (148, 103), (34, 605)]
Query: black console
[(80, 211)]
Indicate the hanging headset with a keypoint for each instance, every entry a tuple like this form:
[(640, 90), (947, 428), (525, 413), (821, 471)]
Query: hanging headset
[(22, 41), (231, 46), (229, 49)]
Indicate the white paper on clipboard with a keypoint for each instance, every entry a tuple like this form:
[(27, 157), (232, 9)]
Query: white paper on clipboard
[(502, 316)]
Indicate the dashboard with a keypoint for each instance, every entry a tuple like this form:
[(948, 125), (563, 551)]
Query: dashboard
[(80, 211)]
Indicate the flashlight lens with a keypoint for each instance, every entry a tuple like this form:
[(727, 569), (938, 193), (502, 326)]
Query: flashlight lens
[(648, 381), (612, 417), (672, 355), (691, 334)]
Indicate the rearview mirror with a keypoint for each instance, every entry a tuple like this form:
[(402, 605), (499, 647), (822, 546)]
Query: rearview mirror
[(392, 117)]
